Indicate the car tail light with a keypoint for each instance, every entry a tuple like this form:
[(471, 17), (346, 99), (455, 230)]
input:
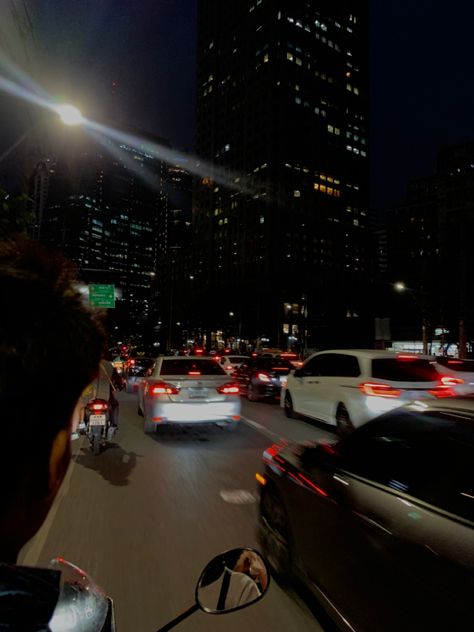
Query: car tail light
[(405, 357), (442, 391), (449, 380), (379, 390), (229, 389), (229, 368), (163, 388), (132, 362), (194, 372), (199, 351), (263, 377)]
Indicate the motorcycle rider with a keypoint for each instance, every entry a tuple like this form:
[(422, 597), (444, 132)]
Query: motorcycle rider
[(103, 387), (44, 326)]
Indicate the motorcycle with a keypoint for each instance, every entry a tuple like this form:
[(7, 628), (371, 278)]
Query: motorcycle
[(231, 581), (97, 420)]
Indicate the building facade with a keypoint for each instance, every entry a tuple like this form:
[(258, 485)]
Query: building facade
[(103, 211), (282, 237), (429, 251)]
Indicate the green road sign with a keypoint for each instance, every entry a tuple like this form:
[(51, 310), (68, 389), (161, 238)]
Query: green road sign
[(102, 295)]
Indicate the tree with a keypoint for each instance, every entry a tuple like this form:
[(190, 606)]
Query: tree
[(16, 215)]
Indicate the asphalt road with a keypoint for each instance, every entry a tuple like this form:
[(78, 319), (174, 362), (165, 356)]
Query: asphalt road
[(145, 516)]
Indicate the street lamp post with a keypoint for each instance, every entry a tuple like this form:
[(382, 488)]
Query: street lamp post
[(399, 286)]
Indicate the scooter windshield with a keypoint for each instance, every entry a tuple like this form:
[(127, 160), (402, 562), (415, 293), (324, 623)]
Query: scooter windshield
[(82, 606)]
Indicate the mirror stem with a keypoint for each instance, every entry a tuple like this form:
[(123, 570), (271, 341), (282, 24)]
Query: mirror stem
[(184, 615)]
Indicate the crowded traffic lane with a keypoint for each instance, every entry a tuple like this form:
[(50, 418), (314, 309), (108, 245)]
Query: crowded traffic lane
[(146, 515)]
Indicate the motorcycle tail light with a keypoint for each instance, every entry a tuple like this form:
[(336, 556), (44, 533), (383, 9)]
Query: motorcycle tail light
[(231, 388), (98, 406), (163, 388), (379, 390)]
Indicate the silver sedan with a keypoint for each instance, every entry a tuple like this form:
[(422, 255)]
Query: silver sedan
[(188, 390)]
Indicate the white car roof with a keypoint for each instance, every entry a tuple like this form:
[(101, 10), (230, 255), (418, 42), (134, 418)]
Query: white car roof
[(375, 353)]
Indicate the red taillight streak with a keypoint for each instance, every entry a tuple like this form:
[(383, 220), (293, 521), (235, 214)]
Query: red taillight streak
[(455, 361), (194, 372), (449, 380), (407, 358), (162, 388), (263, 377), (379, 390), (312, 485)]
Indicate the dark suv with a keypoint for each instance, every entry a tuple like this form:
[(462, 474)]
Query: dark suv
[(262, 377)]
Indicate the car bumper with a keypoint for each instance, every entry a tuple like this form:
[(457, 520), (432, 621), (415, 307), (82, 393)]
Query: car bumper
[(195, 412)]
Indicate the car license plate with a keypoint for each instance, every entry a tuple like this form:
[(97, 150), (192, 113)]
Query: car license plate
[(198, 393), (97, 420)]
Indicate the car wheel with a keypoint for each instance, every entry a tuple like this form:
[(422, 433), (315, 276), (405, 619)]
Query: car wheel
[(251, 394), (274, 536), (343, 422), (289, 410)]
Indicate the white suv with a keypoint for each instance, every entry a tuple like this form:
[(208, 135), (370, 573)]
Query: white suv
[(347, 388)]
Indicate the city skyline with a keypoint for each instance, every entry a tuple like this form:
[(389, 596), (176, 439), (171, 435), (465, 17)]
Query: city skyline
[(421, 97)]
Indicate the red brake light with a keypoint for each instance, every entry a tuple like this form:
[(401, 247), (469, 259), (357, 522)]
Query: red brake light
[(231, 388), (442, 391), (449, 380), (379, 390), (194, 372), (455, 361), (101, 406), (132, 361), (199, 351), (263, 377), (162, 388), (406, 358)]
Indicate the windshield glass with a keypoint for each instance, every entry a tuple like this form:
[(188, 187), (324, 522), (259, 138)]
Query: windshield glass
[(404, 370), (191, 367)]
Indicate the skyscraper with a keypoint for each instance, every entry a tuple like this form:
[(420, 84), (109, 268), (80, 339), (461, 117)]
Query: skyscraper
[(282, 109)]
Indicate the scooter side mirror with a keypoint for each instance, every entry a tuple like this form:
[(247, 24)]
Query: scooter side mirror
[(231, 581)]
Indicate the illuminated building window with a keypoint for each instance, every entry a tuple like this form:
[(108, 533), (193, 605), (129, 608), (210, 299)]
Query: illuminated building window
[(298, 61), (297, 100), (296, 193), (289, 56)]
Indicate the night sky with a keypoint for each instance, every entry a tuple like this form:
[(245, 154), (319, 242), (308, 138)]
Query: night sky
[(422, 94)]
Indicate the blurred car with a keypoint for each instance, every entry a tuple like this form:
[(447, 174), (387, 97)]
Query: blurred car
[(232, 362), (262, 377), (458, 374), (380, 525), (347, 388), (136, 368), (188, 390), (292, 357)]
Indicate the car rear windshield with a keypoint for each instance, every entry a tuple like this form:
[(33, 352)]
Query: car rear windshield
[(397, 370), (274, 364), (464, 366), (190, 367)]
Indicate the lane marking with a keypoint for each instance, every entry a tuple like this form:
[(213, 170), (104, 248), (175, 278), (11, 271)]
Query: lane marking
[(31, 554), (238, 496), (262, 429)]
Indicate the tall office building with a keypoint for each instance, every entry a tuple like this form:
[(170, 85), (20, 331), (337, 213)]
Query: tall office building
[(429, 250), (103, 210), (281, 249)]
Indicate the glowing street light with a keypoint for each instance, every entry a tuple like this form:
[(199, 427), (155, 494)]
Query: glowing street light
[(400, 286), (69, 115)]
